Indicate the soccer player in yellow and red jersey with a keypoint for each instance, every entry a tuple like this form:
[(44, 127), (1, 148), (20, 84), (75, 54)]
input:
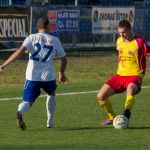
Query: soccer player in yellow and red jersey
[(132, 51)]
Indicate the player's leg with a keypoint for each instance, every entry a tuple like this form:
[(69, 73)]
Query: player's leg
[(50, 107), (30, 93), (132, 89), (105, 92), (50, 88), (24, 106)]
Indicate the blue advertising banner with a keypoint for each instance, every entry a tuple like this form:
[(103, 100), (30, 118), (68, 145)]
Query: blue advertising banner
[(64, 20)]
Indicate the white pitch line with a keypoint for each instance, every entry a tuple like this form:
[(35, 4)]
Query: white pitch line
[(60, 94), (145, 87)]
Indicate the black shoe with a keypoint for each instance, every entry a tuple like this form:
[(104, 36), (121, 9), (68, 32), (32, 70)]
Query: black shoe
[(20, 121), (127, 113)]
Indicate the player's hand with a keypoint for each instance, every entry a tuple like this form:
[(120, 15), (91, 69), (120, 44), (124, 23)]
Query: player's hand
[(62, 78), (0, 69)]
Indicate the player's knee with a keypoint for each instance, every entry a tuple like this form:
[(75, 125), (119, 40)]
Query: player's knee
[(100, 97), (27, 103)]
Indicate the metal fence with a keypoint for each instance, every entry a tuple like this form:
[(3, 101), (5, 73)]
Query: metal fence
[(141, 27), (85, 38), (142, 21)]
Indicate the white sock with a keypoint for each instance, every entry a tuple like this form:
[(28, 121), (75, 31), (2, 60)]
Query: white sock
[(50, 107), (23, 107)]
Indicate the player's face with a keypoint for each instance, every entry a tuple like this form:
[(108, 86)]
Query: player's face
[(124, 33)]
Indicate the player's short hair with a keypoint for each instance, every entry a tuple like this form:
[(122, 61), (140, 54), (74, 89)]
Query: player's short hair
[(124, 24), (42, 23)]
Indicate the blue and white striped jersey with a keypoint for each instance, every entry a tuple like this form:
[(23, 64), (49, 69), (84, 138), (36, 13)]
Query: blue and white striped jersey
[(42, 48)]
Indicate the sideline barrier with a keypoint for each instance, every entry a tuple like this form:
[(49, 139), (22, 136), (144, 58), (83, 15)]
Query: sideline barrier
[(14, 26), (18, 22)]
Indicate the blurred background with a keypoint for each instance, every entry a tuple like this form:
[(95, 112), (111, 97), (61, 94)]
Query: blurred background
[(82, 25)]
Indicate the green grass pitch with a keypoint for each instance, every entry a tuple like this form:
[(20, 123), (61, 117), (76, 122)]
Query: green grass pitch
[(77, 116)]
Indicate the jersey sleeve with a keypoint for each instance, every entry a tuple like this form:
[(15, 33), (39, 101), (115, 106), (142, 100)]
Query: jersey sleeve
[(27, 43), (147, 50), (143, 46), (59, 49)]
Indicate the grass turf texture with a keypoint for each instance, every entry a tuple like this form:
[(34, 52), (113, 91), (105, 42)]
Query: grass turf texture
[(77, 116)]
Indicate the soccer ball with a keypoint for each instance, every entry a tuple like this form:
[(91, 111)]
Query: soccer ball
[(120, 122)]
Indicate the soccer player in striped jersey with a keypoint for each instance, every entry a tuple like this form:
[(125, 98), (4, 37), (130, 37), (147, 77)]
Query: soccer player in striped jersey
[(132, 51), (40, 73)]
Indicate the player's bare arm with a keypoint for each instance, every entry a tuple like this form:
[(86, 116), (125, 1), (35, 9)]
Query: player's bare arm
[(15, 55), (62, 78)]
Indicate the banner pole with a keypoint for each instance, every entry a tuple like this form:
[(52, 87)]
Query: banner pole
[(10, 2), (31, 19), (76, 3)]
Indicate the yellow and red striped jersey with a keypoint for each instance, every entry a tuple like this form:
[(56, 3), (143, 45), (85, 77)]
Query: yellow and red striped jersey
[(132, 56)]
